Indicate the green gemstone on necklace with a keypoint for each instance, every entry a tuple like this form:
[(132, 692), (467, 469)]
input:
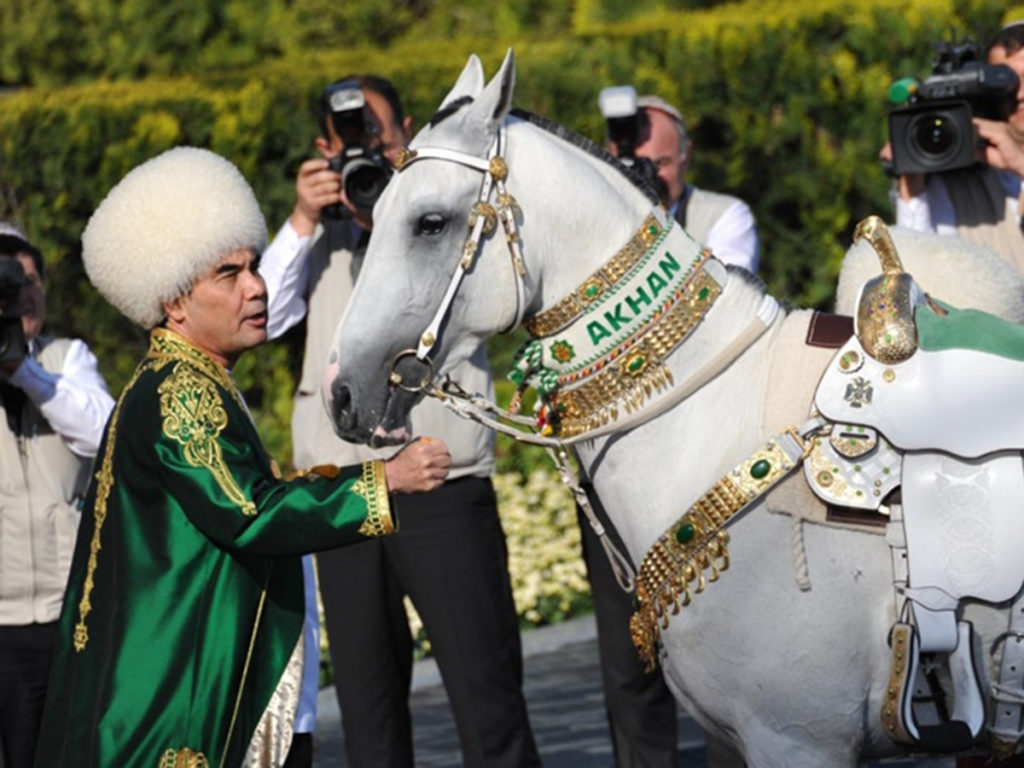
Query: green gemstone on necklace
[(653, 229), (635, 364), (592, 291), (684, 533), (703, 293), (760, 469)]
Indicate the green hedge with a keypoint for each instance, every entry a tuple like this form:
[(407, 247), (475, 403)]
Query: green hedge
[(785, 100), (47, 42)]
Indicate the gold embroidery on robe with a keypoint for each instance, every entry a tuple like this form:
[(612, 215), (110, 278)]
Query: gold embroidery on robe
[(373, 488), (182, 758), (104, 484), (165, 347), (194, 415)]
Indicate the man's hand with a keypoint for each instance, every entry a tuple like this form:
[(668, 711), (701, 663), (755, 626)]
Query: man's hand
[(316, 187), (908, 186), (1004, 147), (420, 466)]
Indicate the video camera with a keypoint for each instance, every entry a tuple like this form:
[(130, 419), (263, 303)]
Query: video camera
[(364, 169), (934, 132), (625, 124), (12, 338)]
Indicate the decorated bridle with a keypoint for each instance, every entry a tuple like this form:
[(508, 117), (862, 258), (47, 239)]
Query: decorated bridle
[(483, 218)]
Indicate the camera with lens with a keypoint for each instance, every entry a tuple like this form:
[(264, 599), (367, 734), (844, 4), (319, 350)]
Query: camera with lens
[(625, 124), (933, 131), (364, 169), (12, 338)]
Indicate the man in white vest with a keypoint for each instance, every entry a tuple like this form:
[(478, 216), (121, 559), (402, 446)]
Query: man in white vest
[(723, 223), (449, 556), (55, 404)]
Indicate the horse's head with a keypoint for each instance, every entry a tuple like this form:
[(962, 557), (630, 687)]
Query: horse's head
[(419, 260)]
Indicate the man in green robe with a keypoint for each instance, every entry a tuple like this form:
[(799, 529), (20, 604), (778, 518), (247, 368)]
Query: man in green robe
[(180, 640)]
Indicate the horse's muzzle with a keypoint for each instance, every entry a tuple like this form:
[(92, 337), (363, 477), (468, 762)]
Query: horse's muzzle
[(342, 413)]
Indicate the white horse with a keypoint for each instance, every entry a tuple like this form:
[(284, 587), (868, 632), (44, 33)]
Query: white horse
[(792, 677)]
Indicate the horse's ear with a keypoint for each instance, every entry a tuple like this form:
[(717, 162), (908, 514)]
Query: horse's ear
[(470, 82), (496, 100)]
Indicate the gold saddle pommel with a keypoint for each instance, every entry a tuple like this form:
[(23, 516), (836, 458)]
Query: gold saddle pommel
[(885, 312)]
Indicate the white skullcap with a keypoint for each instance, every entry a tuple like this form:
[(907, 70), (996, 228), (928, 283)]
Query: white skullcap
[(658, 103), (6, 228), (167, 222)]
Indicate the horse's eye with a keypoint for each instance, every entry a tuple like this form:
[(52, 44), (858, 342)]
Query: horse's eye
[(431, 224)]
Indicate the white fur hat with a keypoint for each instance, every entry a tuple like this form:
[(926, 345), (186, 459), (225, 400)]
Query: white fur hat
[(164, 224)]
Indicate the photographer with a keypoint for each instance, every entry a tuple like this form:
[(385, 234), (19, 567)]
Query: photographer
[(980, 203), (449, 555), (55, 405), (723, 223)]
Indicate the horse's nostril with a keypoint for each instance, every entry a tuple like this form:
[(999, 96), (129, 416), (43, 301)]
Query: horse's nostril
[(341, 406)]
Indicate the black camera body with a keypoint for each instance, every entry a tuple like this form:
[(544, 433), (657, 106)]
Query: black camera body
[(625, 123), (12, 337), (363, 168), (934, 132)]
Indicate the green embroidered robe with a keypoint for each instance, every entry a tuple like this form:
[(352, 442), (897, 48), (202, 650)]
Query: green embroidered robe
[(181, 632)]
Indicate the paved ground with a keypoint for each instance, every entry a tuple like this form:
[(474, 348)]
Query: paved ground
[(563, 695)]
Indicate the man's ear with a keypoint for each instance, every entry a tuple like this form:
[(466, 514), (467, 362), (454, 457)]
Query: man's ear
[(407, 128), (687, 156), (175, 309)]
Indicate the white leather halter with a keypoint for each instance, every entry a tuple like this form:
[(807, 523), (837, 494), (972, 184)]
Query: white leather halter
[(483, 218)]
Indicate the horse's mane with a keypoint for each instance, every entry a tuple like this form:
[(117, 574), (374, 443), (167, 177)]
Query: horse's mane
[(754, 281), (591, 148), (449, 109), (577, 140), (588, 146)]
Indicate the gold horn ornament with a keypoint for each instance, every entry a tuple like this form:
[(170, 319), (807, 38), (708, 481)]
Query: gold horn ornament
[(885, 314)]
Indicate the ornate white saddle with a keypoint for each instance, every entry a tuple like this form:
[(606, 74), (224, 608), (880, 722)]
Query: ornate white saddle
[(909, 424), (926, 398), (962, 401)]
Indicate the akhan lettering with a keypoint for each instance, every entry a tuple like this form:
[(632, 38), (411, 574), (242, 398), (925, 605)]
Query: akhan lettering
[(631, 307)]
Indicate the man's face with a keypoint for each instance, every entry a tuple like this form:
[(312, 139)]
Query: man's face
[(661, 147), (226, 311), (384, 133), (1014, 61), (31, 303)]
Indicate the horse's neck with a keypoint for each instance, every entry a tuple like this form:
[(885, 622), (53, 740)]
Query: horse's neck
[(696, 442), (567, 238), (566, 241)]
